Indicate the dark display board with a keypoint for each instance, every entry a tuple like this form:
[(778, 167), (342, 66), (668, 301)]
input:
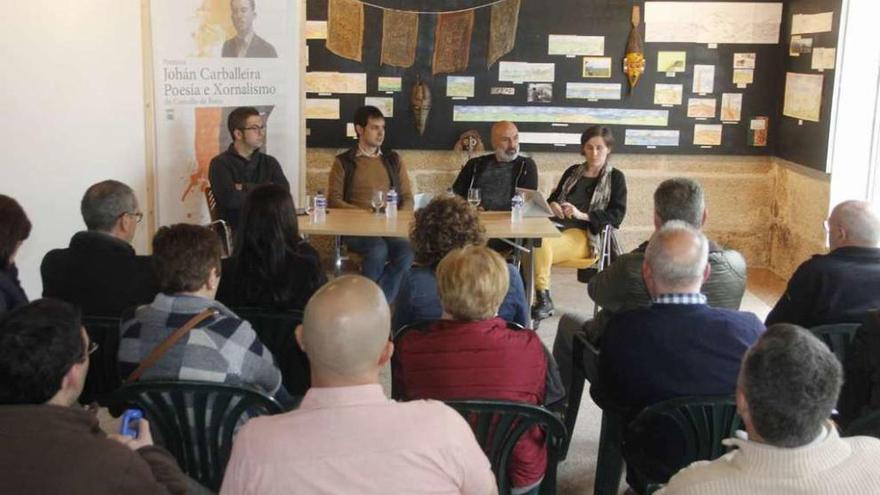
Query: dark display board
[(537, 20), (806, 142)]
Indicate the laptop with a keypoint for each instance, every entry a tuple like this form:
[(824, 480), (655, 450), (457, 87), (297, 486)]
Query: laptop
[(534, 204)]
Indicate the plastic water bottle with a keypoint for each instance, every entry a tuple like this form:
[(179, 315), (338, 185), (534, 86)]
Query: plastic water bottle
[(391, 204), (517, 204), (319, 212)]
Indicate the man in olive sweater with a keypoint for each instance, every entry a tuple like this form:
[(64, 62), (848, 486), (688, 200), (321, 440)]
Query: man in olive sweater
[(354, 176), (50, 444)]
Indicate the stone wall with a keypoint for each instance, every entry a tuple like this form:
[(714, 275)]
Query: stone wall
[(752, 200)]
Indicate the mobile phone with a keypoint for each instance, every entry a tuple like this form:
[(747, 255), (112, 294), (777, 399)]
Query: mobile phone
[(129, 417)]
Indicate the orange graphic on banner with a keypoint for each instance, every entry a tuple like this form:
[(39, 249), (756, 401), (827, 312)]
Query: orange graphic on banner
[(207, 147), (215, 26), (452, 42)]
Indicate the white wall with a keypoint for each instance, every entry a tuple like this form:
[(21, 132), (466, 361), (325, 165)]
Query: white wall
[(72, 99)]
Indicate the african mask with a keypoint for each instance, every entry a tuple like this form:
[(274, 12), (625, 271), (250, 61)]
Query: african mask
[(469, 141), (420, 101), (634, 61)]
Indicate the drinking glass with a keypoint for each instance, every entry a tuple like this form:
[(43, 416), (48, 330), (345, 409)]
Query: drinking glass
[(378, 200), (474, 197)]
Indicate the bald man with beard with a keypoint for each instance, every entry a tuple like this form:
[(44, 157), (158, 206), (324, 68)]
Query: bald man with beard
[(347, 436), (497, 175)]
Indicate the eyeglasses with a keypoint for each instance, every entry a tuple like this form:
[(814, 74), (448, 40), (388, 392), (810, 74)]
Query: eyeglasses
[(138, 215), (93, 346), (255, 128)]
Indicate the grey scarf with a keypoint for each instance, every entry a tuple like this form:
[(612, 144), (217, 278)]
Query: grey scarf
[(599, 201)]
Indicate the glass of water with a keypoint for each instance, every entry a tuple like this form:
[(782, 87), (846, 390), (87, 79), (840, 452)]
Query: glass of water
[(474, 197), (377, 201)]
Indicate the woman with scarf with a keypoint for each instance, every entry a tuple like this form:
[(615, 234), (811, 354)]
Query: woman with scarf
[(589, 196)]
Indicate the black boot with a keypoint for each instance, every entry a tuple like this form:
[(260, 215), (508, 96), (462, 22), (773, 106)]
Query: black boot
[(543, 307)]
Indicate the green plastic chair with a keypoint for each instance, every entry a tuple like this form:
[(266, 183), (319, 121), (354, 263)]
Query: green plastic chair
[(867, 425), (498, 425), (276, 332), (670, 435), (103, 375), (195, 421), (837, 336)]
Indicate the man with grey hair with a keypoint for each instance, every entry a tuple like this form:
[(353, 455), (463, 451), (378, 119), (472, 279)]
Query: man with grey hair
[(349, 437), (100, 271), (787, 387), (620, 287), (681, 345), (843, 285)]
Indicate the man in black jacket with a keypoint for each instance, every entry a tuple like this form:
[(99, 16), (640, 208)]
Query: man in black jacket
[(100, 271), (498, 175), (242, 166), (843, 285)]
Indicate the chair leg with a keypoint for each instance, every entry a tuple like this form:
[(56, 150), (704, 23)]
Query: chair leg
[(575, 394), (609, 464), (337, 253)]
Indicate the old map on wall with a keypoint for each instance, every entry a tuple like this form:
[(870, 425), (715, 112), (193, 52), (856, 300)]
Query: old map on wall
[(712, 22), (803, 96)]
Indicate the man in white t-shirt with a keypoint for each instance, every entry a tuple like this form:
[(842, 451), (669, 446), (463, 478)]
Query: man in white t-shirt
[(347, 436), (788, 385)]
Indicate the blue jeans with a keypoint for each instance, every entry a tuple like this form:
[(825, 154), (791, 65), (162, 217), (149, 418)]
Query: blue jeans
[(386, 259)]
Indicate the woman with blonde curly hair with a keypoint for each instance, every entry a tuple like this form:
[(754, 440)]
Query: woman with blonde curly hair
[(445, 224)]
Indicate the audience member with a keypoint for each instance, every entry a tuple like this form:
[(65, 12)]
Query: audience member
[(861, 385), (220, 348), (51, 444), (14, 229), (99, 271), (243, 166), (589, 197), (472, 354), (841, 286), (346, 436), (620, 287), (679, 345), (447, 223), (785, 393), (358, 174), (497, 175), (271, 267)]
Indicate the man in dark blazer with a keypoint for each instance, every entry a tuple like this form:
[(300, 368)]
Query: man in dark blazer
[(678, 346), (843, 285), (100, 271), (246, 43)]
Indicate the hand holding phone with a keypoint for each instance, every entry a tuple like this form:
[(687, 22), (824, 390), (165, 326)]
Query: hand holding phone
[(129, 421)]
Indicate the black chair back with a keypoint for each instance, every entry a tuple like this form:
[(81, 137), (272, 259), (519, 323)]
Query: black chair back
[(195, 421), (837, 336), (672, 434), (867, 425), (103, 375), (498, 425), (276, 332)]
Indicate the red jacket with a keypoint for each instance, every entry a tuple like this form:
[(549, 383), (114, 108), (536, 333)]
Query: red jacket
[(478, 360)]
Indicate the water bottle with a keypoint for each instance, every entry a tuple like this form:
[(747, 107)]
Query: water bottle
[(391, 204), (517, 204), (319, 212)]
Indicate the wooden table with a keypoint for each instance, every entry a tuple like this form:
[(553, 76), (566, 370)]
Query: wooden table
[(527, 234)]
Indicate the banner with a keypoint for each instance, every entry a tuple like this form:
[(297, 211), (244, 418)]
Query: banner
[(209, 57)]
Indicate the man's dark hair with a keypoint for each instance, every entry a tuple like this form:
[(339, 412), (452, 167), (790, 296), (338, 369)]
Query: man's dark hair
[(39, 342), (363, 115), (104, 202), (791, 381), (680, 199), (238, 119), (183, 256), (14, 228), (598, 131)]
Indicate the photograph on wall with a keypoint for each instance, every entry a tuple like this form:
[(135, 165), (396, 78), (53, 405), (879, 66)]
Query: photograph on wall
[(671, 61), (526, 72), (389, 84), (742, 77), (707, 134), (812, 23), (704, 79), (823, 58), (651, 137), (322, 108), (668, 94), (800, 45), (597, 67), (701, 108), (593, 91), (803, 96), (460, 86), (758, 127), (565, 44), (744, 60), (208, 59), (540, 93), (731, 107), (385, 104)]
